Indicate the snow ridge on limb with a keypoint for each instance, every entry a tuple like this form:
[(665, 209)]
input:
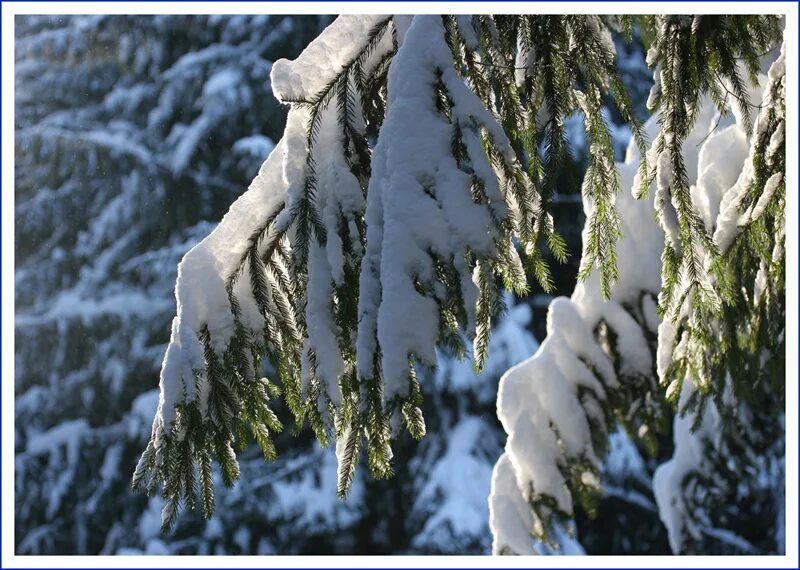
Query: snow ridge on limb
[(597, 366), (436, 220), (220, 319), (324, 60), (241, 293)]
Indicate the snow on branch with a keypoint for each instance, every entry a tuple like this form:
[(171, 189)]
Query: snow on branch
[(381, 226), (597, 365), (414, 180), (436, 219), (262, 283), (219, 318), (739, 197), (701, 62)]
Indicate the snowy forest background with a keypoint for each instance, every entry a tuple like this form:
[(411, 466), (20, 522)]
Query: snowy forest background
[(134, 134)]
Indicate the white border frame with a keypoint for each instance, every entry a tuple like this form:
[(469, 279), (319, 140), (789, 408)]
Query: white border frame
[(11, 560)]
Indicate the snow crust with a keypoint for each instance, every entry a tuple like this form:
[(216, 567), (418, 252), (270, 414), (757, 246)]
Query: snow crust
[(419, 203), (731, 216), (690, 450), (201, 294), (324, 58)]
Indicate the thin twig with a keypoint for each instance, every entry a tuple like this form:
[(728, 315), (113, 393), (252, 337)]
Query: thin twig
[(761, 54), (716, 125), (510, 66), (721, 82)]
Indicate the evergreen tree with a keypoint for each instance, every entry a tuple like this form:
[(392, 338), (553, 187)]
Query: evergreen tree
[(348, 262)]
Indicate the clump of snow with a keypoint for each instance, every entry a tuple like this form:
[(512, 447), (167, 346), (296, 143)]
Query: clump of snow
[(201, 294), (541, 395), (720, 160), (419, 203), (324, 58), (731, 212), (763, 200), (257, 146), (510, 518), (690, 450)]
